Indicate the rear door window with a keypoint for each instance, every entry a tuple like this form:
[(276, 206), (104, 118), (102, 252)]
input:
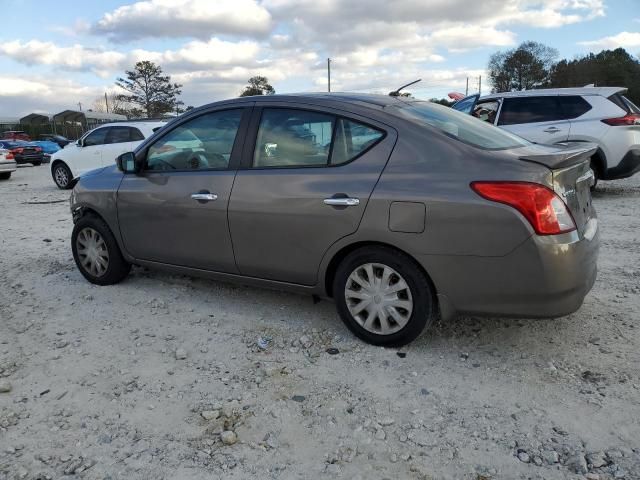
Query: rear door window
[(517, 110), (352, 139), (573, 106), (135, 135), (117, 135), (466, 104)]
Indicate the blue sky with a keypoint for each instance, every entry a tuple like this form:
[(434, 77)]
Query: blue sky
[(212, 47)]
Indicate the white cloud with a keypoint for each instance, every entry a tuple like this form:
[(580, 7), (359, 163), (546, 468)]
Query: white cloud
[(626, 40), (52, 95), (193, 55), (75, 57), (186, 18)]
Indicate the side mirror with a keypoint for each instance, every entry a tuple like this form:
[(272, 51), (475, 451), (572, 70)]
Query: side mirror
[(79, 142), (128, 163)]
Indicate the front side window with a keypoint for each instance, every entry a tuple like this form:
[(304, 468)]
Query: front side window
[(517, 110), (486, 111), (204, 142), (460, 126), (97, 137)]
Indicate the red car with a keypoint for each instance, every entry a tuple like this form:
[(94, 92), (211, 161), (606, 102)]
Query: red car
[(16, 135)]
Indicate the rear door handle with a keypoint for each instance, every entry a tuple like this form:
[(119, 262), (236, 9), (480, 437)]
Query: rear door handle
[(342, 202), (204, 197), (551, 130)]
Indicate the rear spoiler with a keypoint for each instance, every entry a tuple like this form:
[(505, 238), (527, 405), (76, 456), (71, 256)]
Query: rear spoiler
[(567, 154)]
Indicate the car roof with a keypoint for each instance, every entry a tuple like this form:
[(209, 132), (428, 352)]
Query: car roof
[(601, 91), (132, 123), (370, 100)]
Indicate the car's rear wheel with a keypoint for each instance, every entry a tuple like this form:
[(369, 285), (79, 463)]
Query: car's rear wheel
[(37, 164), (96, 252), (62, 176), (5, 175), (383, 296)]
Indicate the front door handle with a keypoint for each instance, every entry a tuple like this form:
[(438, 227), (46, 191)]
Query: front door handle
[(204, 197), (551, 130), (342, 202)]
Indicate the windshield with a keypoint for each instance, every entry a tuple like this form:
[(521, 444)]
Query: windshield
[(461, 126)]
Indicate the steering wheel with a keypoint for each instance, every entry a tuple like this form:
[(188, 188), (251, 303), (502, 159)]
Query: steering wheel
[(198, 161)]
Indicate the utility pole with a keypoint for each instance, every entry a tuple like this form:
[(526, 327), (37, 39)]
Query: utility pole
[(106, 102), (328, 74), (80, 106), (466, 92), (480, 85)]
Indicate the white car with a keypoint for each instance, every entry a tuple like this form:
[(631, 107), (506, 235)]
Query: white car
[(7, 164), (601, 115), (99, 148)]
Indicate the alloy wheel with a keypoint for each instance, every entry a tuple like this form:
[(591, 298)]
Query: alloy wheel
[(378, 298), (61, 176)]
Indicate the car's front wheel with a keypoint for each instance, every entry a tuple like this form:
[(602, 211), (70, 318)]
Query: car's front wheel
[(96, 252), (383, 296), (62, 175)]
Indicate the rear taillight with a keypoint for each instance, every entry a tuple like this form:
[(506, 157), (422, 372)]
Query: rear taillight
[(37, 149), (10, 156), (16, 150), (541, 206), (628, 119)]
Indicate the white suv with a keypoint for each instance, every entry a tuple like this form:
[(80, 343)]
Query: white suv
[(99, 148), (602, 115)]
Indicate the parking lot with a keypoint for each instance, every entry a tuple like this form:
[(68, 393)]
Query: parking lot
[(139, 379)]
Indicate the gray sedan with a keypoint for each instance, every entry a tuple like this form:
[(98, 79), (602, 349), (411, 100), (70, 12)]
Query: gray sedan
[(400, 210)]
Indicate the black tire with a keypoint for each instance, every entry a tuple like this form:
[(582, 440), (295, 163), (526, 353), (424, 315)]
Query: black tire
[(117, 268), (58, 179), (425, 309), (37, 164), (5, 175)]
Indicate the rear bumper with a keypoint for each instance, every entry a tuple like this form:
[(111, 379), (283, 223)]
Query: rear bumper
[(21, 159), (629, 165), (545, 277), (7, 166)]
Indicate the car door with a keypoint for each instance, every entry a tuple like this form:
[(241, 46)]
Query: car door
[(88, 155), (175, 211), (539, 119), (466, 104), (306, 179)]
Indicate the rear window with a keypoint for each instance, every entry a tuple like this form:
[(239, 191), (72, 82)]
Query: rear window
[(461, 126), (631, 106), (530, 110)]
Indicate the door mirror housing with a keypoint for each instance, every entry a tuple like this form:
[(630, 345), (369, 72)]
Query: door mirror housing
[(79, 143), (128, 163)]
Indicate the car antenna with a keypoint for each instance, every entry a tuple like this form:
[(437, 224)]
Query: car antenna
[(396, 93)]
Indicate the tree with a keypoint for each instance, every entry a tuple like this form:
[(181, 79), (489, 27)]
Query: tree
[(116, 105), (442, 101), (522, 68), (258, 85), (149, 90), (612, 68)]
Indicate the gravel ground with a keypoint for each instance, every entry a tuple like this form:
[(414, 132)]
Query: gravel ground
[(162, 377)]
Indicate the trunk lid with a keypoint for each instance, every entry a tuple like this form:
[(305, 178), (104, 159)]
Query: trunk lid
[(572, 178)]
